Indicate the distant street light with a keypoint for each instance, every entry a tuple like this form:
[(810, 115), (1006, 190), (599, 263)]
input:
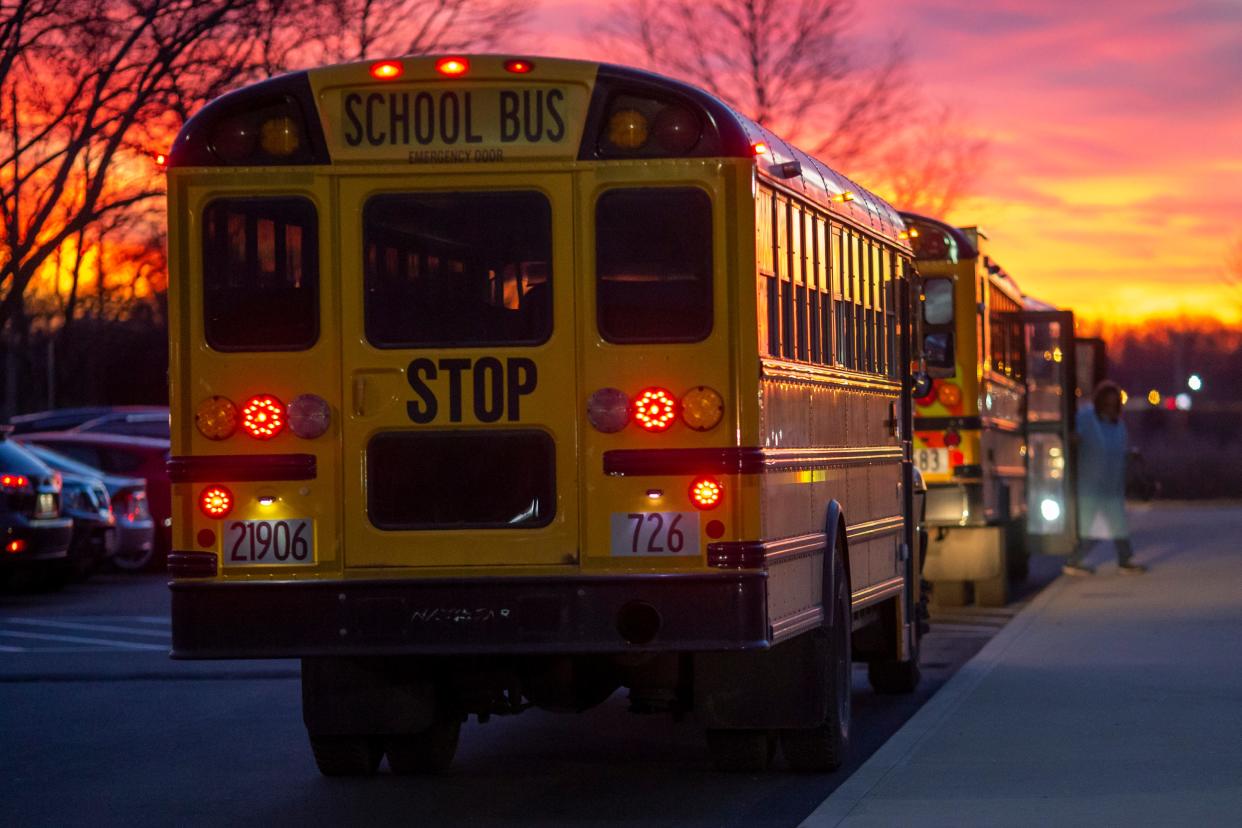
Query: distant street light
[(1194, 382)]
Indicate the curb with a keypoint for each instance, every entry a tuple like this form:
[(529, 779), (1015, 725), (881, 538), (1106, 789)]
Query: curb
[(893, 754)]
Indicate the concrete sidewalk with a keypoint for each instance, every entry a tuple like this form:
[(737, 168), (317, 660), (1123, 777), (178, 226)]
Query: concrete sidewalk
[(1110, 700)]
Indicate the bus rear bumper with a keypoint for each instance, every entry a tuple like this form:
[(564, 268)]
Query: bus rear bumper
[(690, 612)]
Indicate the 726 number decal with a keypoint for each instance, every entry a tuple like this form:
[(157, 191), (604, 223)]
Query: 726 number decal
[(269, 542), (655, 533)]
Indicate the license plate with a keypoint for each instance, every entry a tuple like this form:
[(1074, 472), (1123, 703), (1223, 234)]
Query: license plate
[(932, 460), (655, 533), (269, 542)]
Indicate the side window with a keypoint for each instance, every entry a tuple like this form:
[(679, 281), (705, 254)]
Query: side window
[(769, 342), (784, 277), (261, 274), (120, 462), (653, 265)]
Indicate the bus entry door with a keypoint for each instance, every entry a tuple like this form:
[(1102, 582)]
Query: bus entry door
[(459, 415), (1051, 405)]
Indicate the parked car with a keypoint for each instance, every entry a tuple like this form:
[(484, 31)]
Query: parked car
[(34, 533), (146, 423), (85, 499), (128, 496), (59, 419), (145, 457)]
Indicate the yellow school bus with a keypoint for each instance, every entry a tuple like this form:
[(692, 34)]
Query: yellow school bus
[(500, 381), (969, 426)]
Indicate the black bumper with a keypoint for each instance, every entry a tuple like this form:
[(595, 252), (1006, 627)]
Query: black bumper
[(45, 539), (500, 615)]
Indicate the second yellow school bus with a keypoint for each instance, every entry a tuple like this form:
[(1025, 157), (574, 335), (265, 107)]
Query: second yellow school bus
[(501, 381), (970, 427)]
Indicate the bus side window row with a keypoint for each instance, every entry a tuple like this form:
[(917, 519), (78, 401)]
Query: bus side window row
[(825, 292)]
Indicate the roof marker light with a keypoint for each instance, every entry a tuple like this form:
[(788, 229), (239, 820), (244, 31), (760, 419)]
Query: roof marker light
[(387, 70), (518, 67), (452, 66), (759, 148)]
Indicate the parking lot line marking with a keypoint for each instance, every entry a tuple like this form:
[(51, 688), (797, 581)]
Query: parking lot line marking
[(77, 625), (74, 639)]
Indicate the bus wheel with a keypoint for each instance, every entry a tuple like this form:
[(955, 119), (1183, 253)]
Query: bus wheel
[(346, 755), (428, 752), (823, 748), (741, 750)]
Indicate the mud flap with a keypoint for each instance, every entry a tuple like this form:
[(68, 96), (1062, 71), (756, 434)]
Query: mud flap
[(777, 688)]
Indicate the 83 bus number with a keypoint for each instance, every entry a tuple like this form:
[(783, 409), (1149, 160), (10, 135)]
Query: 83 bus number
[(655, 533), (269, 542)]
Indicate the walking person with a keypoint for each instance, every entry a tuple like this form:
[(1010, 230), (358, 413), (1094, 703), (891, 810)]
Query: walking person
[(1101, 441)]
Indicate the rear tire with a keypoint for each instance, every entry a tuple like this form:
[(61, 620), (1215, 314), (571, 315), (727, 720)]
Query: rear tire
[(744, 751), (133, 560), (431, 751), (346, 755), (823, 748), (892, 677)]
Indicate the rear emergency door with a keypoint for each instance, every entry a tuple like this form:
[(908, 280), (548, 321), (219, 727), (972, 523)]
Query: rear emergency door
[(460, 419)]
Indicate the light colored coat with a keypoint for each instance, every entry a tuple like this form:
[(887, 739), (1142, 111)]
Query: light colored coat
[(1101, 477)]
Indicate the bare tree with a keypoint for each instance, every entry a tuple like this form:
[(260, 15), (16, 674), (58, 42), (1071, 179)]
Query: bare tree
[(344, 30), (932, 165), (791, 65), (799, 68)]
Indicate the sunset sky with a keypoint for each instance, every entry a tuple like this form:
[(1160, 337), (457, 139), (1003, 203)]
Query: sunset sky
[(1114, 176)]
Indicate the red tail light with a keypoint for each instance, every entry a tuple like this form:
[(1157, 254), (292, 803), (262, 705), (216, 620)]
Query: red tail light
[(705, 493), (15, 546), (14, 482), (215, 501), (655, 409), (132, 505), (263, 417)]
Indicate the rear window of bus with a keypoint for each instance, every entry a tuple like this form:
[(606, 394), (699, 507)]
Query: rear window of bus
[(458, 269), (261, 274), (653, 263), (464, 479)]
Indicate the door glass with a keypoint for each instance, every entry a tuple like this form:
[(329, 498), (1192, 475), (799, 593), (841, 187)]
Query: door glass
[(1046, 373), (1046, 492)]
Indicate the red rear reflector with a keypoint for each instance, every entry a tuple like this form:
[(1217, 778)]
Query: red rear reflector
[(518, 67), (952, 439), (452, 66), (705, 493), (387, 70), (215, 501), (263, 416), (206, 538), (655, 409)]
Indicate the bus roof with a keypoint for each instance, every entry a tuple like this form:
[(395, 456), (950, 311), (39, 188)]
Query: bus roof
[(782, 164)]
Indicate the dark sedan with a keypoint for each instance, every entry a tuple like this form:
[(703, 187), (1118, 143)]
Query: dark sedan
[(85, 499), (144, 457), (128, 495), (34, 536)]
